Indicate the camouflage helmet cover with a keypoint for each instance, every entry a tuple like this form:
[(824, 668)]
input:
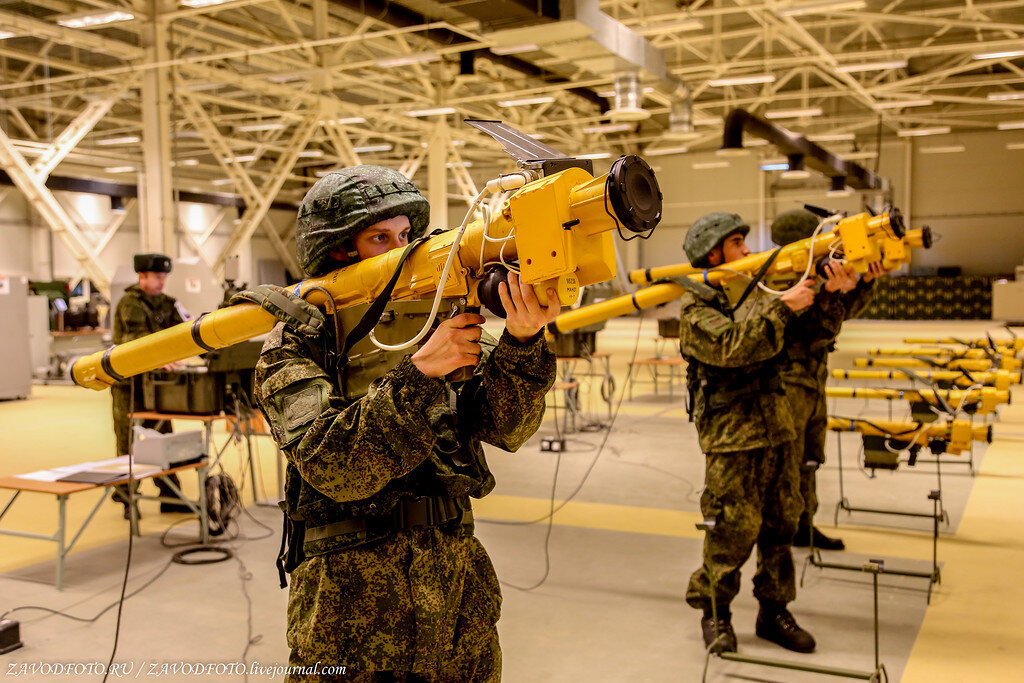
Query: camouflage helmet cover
[(347, 201), (793, 225), (710, 230)]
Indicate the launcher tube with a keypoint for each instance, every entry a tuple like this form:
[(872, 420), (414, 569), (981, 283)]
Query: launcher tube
[(1001, 379), (977, 432), (988, 397), (969, 364)]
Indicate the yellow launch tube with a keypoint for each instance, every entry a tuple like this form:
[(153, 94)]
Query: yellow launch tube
[(1002, 345), (988, 397), (559, 228), (870, 235), (969, 364), (1000, 379), (955, 430), (963, 353)]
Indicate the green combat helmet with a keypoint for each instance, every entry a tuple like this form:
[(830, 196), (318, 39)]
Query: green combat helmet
[(343, 203), (793, 225), (708, 232)]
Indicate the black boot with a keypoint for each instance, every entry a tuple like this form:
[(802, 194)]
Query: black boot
[(775, 623), (821, 541), (726, 636)]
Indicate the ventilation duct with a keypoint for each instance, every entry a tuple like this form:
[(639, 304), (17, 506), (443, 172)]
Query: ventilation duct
[(680, 115), (627, 104)]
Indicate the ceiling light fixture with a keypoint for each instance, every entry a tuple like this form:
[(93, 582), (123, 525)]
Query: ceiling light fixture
[(917, 132), (5, 34), (859, 156), (1010, 125), (514, 49), (119, 140), (120, 169), (742, 80), (345, 121), (796, 170), (383, 147), (202, 3), (221, 181), (459, 164), (832, 137), (525, 101), (1015, 145), (900, 104), (186, 162), (781, 166), (436, 111), (240, 159), (95, 18), (871, 66), (665, 151), (819, 7), (701, 165), (311, 154), (998, 55), (946, 149), (1003, 96), (838, 188), (793, 113), (595, 155), (408, 60), (258, 127), (610, 128)]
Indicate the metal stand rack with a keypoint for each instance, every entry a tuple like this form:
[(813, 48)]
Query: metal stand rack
[(876, 675)]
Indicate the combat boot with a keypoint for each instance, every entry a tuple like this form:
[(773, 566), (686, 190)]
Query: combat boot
[(724, 633), (821, 541), (775, 623)]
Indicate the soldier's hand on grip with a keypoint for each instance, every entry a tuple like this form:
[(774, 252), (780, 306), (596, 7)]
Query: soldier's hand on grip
[(839, 277), (524, 314), (453, 345), (800, 297), (874, 270)]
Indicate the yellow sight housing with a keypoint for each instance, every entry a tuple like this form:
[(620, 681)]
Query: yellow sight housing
[(559, 228)]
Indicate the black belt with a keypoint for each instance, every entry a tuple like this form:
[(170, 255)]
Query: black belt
[(409, 513)]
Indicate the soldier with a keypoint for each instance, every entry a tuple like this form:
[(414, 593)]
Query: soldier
[(751, 490), (387, 578), (809, 339), (144, 309)]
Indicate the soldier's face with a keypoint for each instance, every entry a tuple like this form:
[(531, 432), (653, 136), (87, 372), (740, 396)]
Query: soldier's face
[(152, 283), (734, 247), (382, 237)]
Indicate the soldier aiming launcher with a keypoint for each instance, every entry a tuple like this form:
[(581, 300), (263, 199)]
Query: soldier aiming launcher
[(558, 225), (864, 239)]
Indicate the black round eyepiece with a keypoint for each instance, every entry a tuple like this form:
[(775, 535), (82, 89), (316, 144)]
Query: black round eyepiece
[(487, 290), (926, 237), (896, 224), (633, 194)]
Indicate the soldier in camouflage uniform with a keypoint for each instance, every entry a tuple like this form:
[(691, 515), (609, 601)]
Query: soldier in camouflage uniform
[(144, 309), (384, 455), (751, 490), (809, 339)]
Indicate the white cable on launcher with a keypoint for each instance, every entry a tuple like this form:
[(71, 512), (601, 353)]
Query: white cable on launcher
[(810, 261), (501, 183)]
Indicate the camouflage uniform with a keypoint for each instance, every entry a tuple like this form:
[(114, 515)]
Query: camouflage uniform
[(809, 339), (746, 432), (423, 600), (138, 314)]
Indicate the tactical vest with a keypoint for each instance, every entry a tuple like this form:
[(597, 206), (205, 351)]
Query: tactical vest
[(712, 388), (316, 524)]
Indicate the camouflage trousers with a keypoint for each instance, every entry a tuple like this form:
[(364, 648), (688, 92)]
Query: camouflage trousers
[(810, 417), (754, 498), (121, 396)]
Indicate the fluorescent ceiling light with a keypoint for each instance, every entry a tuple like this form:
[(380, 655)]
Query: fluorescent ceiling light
[(792, 113), (796, 174), (346, 120), (221, 181), (119, 140), (1015, 145), (998, 55), (202, 3), (383, 147), (666, 150), (186, 162), (610, 128), (1010, 125), (514, 49), (832, 137), (916, 132), (524, 101), (819, 7), (857, 156), (120, 169), (538, 136), (311, 154), (1002, 96), (5, 34), (669, 27), (700, 165), (594, 155), (284, 78), (241, 159), (871, 66), (407, 60), (947, 149), (95, 18), (258, 127), (436, 111), (459, 164), (742, 80), (899, 104), (782, 166)]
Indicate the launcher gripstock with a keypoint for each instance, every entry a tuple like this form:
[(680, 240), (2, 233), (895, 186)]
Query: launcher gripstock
[(1000, 379), (870, 232), (559, 227), (988, 399), (863, 239), (958, 434), (968, 364)]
